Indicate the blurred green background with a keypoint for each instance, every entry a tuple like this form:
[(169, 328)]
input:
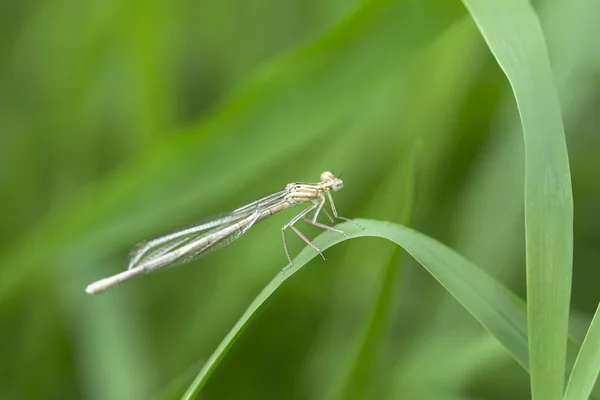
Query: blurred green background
[(120, 120)]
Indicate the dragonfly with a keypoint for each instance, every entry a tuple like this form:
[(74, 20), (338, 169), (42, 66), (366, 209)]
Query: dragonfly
[(192, 242)]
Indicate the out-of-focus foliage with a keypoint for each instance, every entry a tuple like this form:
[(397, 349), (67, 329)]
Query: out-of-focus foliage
[(120, 120)]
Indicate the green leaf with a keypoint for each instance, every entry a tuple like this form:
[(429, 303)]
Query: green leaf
[(513, 34), (500, 311), (587, 366)]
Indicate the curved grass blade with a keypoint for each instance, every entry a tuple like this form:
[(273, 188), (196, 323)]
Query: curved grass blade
[(500, 311), (514, 35)]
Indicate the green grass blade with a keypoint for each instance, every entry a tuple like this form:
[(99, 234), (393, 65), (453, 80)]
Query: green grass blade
[(495, 307), (513, 34), (587, 366)]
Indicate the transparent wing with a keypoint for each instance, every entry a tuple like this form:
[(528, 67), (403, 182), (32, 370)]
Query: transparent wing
[(183, 245), (226, 239)]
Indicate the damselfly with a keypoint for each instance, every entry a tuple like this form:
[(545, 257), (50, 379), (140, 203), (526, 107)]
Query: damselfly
[(187, 244)]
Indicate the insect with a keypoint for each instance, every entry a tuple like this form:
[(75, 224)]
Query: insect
[(188, 243)]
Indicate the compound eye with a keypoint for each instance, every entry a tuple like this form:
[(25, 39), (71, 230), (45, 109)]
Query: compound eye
[(337, 185)]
